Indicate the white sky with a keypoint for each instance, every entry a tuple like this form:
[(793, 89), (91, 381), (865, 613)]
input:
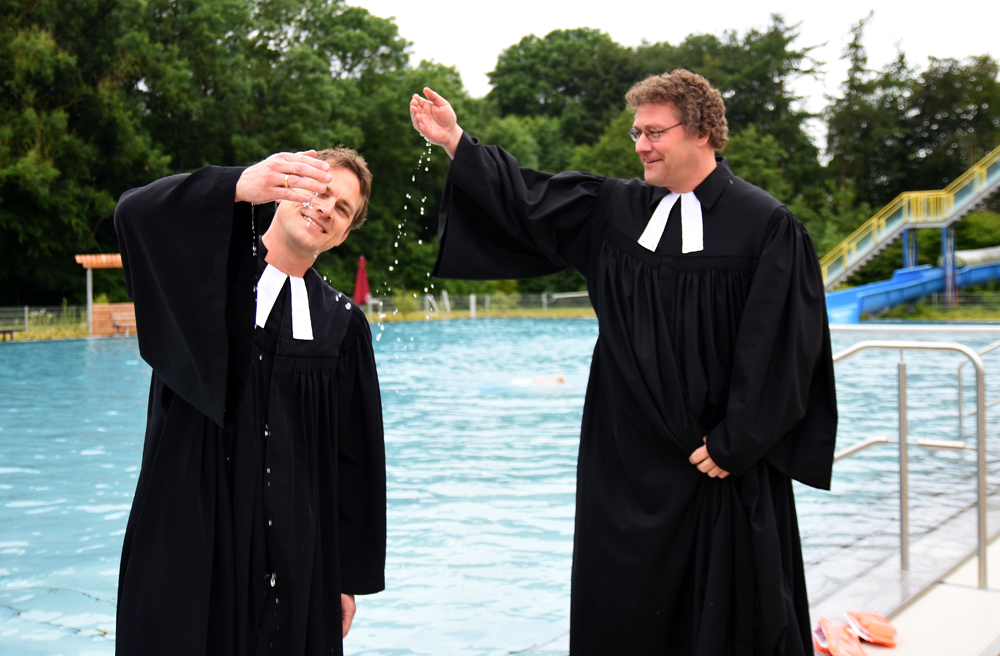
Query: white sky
[(470, 36)]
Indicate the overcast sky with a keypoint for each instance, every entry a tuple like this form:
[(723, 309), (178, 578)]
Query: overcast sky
[(469, 36)]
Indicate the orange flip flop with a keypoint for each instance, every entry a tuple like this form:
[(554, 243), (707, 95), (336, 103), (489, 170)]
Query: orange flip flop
[(872, 627), (836, 639)]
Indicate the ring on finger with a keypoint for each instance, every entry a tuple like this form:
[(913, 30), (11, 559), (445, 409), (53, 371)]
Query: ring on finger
[(286, 181)]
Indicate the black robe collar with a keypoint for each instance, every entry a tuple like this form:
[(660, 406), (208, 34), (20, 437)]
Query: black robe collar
[(710, 189)]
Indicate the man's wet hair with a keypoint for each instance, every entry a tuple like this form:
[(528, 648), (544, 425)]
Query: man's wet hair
[(699, 106), (343, 157)]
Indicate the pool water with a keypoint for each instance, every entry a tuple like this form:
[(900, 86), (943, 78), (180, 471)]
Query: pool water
[(482, 421)]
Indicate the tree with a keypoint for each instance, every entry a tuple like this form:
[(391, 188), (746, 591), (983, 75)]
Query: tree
[(954, 115), (613, 154), (867, 128), (578, 75), (70, 141)]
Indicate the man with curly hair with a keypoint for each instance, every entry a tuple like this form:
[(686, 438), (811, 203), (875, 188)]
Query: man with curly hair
[(711, 386)]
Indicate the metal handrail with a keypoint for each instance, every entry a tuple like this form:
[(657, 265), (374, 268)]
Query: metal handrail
[(961, 402), (977, 363)]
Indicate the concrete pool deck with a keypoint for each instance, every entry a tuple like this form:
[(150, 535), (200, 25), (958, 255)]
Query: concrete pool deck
[(954, 617), (937, 606)]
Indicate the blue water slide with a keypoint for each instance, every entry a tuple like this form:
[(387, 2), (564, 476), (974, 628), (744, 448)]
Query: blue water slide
[(906, 286)]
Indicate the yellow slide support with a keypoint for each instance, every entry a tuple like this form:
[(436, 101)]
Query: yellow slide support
[(925, 209)]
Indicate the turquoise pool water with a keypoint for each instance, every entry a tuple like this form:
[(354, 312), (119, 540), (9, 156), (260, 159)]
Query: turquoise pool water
[(481, 440)]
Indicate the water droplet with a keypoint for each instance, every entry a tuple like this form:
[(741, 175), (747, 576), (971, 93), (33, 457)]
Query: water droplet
[(408, 195), (269, 522), (420, 241), (390, 268), (268, 470), (272, 578), (396, 244), (348, 306), (413, 178), (425, 289), (378, 337), (426, 169)]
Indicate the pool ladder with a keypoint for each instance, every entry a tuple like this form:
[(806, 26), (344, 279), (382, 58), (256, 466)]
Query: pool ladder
[(980, 447)]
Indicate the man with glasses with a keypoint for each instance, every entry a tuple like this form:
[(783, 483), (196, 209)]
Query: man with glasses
[(259, 511), (711, 386)]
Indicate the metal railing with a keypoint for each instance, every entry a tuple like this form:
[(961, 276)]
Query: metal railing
[(912, 208), (550, 297), (22, 317), (903, 441), (475, 305)]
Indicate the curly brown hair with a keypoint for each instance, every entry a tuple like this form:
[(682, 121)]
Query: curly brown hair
[(342, 157), (699, 106)]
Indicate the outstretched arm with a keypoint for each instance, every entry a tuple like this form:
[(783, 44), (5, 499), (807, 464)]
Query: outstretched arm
[(435, 120)]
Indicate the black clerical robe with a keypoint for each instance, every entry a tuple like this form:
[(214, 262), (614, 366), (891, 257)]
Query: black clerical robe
[(261, 496), (730, 342)]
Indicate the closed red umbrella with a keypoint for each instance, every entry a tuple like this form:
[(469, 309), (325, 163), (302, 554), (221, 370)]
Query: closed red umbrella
[(361, 289)]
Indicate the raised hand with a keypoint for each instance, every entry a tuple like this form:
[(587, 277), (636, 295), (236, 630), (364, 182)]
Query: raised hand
[(435, 120), (284, 176)]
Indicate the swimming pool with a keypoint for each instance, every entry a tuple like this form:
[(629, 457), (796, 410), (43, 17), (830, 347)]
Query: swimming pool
[(481, 440)]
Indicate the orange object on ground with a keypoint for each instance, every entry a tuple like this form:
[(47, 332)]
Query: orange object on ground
[(836, 639), (872, 627)]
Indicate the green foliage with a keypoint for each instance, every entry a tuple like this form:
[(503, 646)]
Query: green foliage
[(978, 230), (757, 159), (69, 141), (867, 128), (613, 154), (405, 300), (578, 75), (953, 112), (100, 97)]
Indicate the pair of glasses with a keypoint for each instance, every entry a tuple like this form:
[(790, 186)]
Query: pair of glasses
[(651, 135)]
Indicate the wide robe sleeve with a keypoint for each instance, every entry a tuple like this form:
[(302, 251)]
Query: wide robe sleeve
[(501, 221), (782, 402), (361, 458), (189, 264)]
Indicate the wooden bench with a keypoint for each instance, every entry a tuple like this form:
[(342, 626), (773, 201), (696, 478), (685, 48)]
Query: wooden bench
[(123, 321), (7, 332)]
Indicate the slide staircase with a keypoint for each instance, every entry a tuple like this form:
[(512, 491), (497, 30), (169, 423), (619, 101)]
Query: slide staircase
[(912, 209)]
